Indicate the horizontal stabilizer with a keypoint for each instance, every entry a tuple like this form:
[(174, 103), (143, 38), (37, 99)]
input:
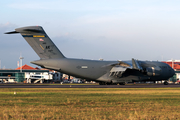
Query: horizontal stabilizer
[(13, 32)]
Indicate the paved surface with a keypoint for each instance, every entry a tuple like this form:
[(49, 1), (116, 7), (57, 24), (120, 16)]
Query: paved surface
[(89, 86)]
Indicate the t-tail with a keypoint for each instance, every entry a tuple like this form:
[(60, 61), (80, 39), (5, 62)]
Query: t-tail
[(39, 41)]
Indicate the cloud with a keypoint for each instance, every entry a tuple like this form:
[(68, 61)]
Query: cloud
[(94, 5), (7, 25), (27, 6), (62, 5)]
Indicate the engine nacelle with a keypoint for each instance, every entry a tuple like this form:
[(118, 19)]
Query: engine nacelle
[(153, 71)]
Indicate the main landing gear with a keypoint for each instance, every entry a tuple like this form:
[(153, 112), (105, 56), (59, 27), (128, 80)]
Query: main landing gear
[(123, 83), (106, 83), (166, 83)]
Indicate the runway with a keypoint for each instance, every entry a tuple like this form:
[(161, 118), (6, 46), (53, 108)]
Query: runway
[(89, 86)]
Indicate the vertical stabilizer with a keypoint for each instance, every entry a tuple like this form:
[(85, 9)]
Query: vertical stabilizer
[(136, 64), (39, 41)]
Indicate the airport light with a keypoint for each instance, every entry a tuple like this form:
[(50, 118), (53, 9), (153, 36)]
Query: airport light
[(21, 63)]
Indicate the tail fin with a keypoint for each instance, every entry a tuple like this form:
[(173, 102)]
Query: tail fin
[(39, 41)]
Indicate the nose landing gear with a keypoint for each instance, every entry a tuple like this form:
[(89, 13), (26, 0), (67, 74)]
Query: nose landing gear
[(166, 83)]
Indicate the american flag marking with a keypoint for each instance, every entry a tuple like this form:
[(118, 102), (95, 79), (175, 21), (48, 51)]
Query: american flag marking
[(41, 39)]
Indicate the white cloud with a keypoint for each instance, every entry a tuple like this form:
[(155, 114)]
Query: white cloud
[(26, 6), (94, 5), (7, 24)]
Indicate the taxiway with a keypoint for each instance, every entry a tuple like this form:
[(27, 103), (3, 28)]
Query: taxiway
[(89, 86)]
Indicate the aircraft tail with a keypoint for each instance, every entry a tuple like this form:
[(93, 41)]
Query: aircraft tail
[(39, 41)]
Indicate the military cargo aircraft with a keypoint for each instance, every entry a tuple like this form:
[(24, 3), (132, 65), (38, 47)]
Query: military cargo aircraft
[(104, 72)]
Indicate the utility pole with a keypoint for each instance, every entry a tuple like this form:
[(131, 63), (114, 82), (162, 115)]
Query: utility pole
[(173, 63)]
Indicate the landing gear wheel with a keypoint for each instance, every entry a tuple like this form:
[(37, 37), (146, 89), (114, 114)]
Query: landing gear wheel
[(111, 83), (108, 83), (166, 83), (123, 83), (115, 84), (102, 83)]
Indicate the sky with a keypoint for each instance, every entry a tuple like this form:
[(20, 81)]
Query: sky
[(93, 29)]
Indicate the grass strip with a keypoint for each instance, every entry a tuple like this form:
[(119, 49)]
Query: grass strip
[(89, 103)]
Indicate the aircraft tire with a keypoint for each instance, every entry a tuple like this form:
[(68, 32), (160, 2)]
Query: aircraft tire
[(166, 83), (114, 84), (111, 83), (123, 83), (102, 83)]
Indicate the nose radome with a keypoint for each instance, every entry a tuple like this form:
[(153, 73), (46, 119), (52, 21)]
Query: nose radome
[(173, 72)]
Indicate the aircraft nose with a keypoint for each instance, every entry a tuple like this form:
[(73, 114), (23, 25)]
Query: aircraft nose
[(172, 71)]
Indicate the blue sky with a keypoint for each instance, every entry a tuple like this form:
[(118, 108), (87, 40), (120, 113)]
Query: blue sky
[(93, 29)]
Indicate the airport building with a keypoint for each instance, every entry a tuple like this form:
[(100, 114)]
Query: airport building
[(26, 74)]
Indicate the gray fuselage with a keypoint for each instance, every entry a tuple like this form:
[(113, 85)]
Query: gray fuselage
[(95, 69)]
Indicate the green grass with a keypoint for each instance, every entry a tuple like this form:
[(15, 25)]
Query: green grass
[(90, 103)]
